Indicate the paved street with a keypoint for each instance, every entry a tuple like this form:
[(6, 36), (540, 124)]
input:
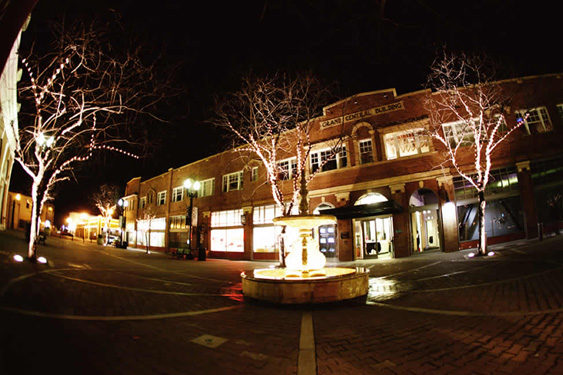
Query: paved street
[(98, 310)]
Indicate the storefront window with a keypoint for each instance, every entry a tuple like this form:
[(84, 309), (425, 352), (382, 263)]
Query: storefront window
[(230, 240)]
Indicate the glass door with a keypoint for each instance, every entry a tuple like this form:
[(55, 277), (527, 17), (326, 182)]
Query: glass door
[(377, 235), (327, 240)]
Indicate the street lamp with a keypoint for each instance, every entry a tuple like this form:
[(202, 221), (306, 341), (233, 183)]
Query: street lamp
[(122, 203), (192, 187)]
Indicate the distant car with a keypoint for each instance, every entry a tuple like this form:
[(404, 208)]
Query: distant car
[(66, 233)]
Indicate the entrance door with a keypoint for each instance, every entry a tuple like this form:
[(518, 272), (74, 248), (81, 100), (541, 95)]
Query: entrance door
[(376, 236), (327, 240), (425, 230)]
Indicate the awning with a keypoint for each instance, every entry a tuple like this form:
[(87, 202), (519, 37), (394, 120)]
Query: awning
[(364, 210)]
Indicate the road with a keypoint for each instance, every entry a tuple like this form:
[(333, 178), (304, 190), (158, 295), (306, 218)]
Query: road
[(101, 310)]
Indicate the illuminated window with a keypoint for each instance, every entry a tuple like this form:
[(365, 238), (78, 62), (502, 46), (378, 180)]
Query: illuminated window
[(161, 199), (207, 187), (178, 222), (177, 194), (560, 111), (460, 132), (501, 180), (232, 181), (287, 168), (227, 218), (537, 121), (366, 151), (329, 159), (254, 174), (406, 143), (143, 202)]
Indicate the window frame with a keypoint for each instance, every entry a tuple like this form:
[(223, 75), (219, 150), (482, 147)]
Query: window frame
[(143, 202), (453, 138), (361, 153), (407, 132), (340, 158), (227, 181), (203, 184), (290, 172), (543, 119), (161, 198), (178, 191)]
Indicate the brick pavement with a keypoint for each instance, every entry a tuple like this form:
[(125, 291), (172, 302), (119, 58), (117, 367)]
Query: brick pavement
[(436, 313)]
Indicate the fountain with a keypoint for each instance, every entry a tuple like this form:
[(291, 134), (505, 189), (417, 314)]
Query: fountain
[(305, 279)]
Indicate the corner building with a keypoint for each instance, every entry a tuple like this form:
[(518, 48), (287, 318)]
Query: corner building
[(385, 186)]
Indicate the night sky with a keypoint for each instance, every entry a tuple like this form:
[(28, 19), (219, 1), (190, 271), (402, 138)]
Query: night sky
[(351, 43)]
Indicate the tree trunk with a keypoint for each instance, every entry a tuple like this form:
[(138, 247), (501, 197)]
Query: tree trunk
[(482, 228), (31, 247)]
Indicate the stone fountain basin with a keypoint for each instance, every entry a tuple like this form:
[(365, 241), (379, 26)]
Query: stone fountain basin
[(337, 284)]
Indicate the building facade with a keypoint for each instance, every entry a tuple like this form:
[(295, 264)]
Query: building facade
[(386, 185), (19, 212)]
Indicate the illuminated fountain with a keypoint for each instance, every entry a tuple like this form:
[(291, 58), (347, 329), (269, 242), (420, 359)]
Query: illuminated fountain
[(305, 278)]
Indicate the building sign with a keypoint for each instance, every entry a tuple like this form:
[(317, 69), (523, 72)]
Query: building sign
[(363, 114)]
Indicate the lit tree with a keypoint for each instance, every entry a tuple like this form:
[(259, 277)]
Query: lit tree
[(271, 118), (145, 225), (77, 99), (466, 96), (105, 200)]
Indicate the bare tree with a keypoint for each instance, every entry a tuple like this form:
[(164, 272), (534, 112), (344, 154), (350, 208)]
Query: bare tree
[(77, 99), (271, 118), (145, 225), (473, 106), (105, 200)]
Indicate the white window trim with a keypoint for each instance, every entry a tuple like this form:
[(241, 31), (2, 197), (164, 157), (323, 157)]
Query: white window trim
[(337, 157), (143, 202), (161, 194), (226, 183), (365, 140), (175, 191), (290, 171), (254, 174), (545, 122), (203, 183), (455, 137)]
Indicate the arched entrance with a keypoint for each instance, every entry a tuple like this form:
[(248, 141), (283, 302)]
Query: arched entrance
[(327, 233), (373, 235), (425, 223)]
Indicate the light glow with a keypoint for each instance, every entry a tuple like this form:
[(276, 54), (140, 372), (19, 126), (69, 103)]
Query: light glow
[(18, 258), (491, 253), (18, 197), (471, 255), (42, 260)]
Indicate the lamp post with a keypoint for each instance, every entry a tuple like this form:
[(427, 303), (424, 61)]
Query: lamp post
[(192, 187), (122, 203)]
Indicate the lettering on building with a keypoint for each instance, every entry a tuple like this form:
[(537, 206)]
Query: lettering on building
[(363, 114)]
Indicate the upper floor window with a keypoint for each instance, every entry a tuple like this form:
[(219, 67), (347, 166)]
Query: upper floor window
[(177, 194), (366, 151), (232, 181), (406, 142), (502, 180), (161, 199), (560, 111), (537, 121), (254, 174), (143, 202), (329, 159), (287, 168), (207, 187)]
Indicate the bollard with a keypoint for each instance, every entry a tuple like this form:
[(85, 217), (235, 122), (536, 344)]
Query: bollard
[(540, 231)]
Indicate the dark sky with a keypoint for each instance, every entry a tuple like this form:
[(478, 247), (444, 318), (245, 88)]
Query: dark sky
[(357, 44)]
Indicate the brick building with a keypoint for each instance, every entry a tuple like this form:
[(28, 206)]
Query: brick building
[(386, 186)]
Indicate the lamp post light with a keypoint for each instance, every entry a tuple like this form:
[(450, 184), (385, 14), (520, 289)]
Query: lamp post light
[(122, 203), (192, 187)]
